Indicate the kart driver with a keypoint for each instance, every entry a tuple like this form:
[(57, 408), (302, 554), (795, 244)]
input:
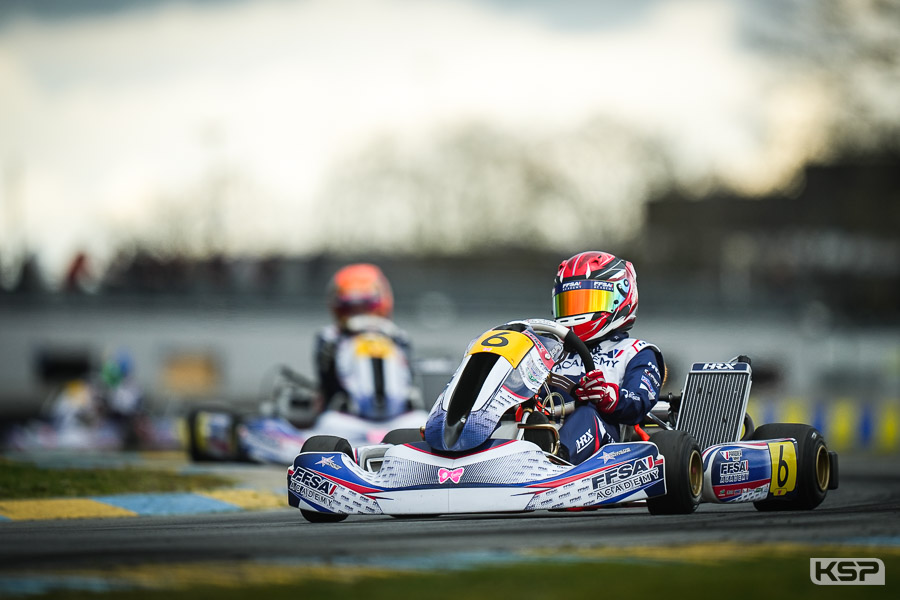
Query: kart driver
[(360, 299), (595, 295)]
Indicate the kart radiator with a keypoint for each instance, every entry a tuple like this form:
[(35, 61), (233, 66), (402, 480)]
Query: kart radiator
[(714, 401)]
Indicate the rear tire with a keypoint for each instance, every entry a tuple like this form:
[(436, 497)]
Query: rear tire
[(813, 466), (748, 427), (325, 443), (399, 437), (684, 473)]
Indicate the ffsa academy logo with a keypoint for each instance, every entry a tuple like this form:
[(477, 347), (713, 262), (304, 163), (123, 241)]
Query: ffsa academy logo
[(846, 571)]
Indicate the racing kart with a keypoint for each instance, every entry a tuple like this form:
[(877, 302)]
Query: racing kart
[(378, 396), (491, 439)]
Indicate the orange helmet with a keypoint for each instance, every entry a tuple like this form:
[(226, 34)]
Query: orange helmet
[(360, 289)]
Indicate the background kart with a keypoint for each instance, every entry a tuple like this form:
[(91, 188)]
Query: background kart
[(225, 435), (697, 445), (376, 395), (76, 416)]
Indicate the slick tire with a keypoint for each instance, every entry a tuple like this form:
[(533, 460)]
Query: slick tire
[(194, 450), (325, 443), (748, 428), (402, 436), (684, 474), (814, 466)]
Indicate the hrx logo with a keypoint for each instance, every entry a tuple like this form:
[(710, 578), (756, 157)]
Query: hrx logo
[(846, 571)]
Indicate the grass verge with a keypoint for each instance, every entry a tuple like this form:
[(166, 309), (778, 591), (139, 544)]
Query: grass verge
[(782, 576), (20, 481)]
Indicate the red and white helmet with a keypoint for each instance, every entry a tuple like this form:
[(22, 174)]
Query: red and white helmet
[(594, 294), (360, 289)]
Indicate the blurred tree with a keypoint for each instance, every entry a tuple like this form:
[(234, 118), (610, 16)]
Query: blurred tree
[(479, 188)]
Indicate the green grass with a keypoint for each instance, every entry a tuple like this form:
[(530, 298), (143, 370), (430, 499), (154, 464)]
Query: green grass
[(22, 481), (784, 576)]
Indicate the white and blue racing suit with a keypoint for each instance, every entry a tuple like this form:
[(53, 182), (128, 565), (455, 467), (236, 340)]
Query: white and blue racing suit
[(635, 366), (371, 393)]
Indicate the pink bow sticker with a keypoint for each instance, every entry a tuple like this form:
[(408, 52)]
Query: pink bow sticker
[(454, 475)]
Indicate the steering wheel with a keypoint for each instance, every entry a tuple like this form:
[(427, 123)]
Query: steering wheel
[(571, 342)]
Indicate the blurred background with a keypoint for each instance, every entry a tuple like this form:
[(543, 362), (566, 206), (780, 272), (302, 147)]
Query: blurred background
[(179, 179)]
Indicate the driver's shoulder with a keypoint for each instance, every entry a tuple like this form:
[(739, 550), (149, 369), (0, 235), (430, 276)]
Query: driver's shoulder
[(624, 346)]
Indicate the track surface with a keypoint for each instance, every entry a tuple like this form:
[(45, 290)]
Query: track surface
[(865, 511)]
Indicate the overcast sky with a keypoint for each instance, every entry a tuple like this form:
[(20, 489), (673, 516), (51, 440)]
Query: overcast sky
[(115, 125)]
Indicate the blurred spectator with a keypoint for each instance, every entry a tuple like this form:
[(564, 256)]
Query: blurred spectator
[(79, 278)]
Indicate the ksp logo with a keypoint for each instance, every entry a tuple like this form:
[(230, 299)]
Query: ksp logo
[(846, 571)]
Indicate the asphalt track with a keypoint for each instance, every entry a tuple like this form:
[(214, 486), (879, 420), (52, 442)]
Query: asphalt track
[(864, 512)]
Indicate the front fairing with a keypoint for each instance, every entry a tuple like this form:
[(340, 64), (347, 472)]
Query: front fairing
[(500, 370), (501, 476), (270, 440)]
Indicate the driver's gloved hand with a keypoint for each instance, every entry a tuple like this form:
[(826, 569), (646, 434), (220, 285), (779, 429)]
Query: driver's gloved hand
[(594, 388)]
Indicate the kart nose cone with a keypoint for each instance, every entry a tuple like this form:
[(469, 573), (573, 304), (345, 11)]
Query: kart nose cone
[(452, 431)]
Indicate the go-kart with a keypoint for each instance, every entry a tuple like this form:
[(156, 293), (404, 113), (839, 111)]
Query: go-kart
[(82, 415), (490, 445), (377, 396)]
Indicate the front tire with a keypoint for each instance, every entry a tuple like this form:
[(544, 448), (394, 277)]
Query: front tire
[(325, 443), (399, 437), (684, 474), (813, 466)]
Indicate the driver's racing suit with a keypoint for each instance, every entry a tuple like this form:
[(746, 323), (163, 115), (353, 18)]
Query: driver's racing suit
[(328, 344), (635, 367)]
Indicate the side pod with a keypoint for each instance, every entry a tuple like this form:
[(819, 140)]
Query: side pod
[(750, 471)]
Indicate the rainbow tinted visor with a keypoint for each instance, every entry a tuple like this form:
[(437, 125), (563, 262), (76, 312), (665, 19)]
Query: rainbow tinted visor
[(584, 297)]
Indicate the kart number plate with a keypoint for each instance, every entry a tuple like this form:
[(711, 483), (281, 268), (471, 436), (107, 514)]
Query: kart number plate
[(511, 345), (784, 467), (374, 346)]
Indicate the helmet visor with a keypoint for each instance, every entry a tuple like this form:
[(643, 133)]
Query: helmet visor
[(583, 297)]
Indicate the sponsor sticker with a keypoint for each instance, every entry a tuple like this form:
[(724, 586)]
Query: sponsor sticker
[(734, 472), (328, 461), (742, 492), (625, 477), (542, 351), (446, 474), (586, 439), (533, 372), (733, 454), (607, 456), (718, 367), (311, 485)]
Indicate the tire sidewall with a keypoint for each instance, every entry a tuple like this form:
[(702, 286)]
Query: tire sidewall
[(809, 443), (677, 448), (325, 443)]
